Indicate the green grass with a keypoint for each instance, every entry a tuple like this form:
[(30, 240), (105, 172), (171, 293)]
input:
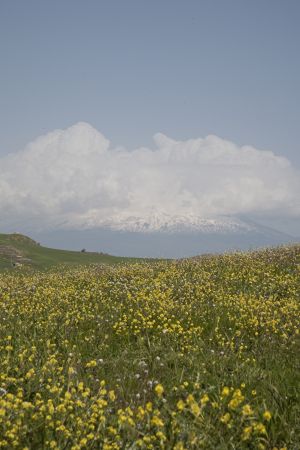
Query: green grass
[(194, 354), (42, 258)]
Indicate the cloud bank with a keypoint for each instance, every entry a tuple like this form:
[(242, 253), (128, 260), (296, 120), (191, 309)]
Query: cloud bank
[(73, 178)]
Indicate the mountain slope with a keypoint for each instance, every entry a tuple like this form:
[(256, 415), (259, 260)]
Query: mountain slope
[(171, 239), (17, 250)]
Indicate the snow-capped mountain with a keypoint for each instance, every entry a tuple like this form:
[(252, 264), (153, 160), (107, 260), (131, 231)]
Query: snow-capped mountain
[(167, 236), (166, 223)]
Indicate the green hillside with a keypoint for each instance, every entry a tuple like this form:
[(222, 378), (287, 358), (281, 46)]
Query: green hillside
[(18, 251), (196, 354)]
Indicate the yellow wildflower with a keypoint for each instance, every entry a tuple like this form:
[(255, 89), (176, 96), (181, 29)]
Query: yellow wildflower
[(267, 415), (225, 418), (225, 391), (157, 421), (246, 433), (159, 390), (204, 399), (247, 410), (180, 405)]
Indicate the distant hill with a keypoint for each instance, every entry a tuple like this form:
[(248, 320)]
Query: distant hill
[(17, 251), (164, 237)]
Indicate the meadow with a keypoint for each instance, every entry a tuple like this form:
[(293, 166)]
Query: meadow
[(192, 354), (19, 250)]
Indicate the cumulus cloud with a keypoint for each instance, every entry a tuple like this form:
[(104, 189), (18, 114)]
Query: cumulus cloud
[(73, 178)]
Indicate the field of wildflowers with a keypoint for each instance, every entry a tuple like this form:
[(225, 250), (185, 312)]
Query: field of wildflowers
[(195, 354)]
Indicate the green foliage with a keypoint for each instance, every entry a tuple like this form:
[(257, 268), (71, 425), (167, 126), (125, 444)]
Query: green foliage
[(194, 354)]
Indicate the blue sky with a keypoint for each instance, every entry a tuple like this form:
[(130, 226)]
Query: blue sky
[(134, 68)]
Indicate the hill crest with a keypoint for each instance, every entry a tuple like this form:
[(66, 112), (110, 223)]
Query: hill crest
[(18, 250)]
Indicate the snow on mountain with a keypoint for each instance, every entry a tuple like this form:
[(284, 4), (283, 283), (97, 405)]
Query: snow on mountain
[(163, 236), (177, 223)]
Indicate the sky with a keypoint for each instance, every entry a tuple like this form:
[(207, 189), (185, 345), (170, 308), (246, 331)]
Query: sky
[(203, 96)]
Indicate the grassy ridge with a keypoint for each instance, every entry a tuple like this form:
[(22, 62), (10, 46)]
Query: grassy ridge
[(23, 251), (196, 354)]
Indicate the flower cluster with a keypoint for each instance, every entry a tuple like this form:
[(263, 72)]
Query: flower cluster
[(189, 354)]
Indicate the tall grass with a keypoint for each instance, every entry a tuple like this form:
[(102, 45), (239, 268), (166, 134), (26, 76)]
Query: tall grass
[(192, 354)]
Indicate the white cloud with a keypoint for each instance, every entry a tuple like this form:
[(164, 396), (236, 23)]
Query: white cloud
[(73, 178)]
